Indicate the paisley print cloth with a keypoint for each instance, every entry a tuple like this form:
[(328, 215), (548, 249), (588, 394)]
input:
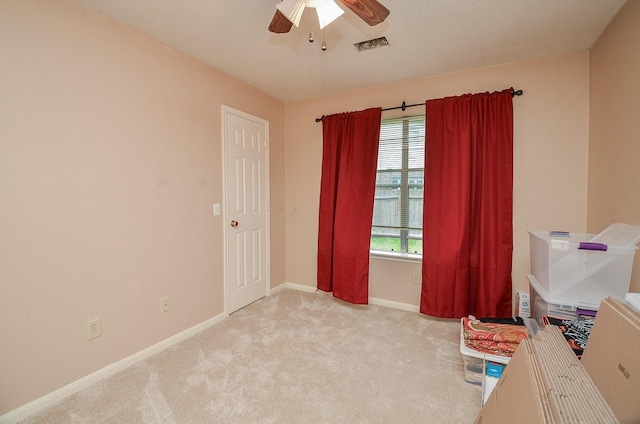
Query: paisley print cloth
[(493, 338)]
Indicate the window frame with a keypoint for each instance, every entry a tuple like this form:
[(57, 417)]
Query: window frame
[(404, 187)]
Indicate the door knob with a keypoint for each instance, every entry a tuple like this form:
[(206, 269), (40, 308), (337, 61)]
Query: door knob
[(234, 224)]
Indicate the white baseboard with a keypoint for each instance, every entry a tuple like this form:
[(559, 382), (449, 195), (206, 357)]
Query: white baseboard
[(52, 398), (393, 304), (39, 404), (294, 286), (372, 300)]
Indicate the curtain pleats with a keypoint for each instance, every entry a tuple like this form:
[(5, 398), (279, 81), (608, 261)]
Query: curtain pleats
[(468, 206), (347, 188)]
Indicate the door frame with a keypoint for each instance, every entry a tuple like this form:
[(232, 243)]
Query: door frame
[(225, 210)]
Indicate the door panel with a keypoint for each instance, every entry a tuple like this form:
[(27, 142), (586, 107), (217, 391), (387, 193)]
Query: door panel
[(246, 193)]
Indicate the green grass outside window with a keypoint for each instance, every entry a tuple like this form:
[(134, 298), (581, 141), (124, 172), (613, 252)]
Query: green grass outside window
[(392, 244)]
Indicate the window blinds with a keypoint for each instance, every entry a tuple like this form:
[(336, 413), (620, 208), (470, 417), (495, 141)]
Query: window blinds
[(400, 176)]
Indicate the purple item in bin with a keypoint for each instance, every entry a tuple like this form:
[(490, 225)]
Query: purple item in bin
[(586, 312), (586, 245)]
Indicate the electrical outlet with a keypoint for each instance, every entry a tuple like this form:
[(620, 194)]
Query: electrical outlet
[(416, 277), (94, 328), (164, 304)]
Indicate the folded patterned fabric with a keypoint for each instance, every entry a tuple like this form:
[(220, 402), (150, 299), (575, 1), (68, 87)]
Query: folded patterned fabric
[(493, 338), (491, 347), (509, 333)]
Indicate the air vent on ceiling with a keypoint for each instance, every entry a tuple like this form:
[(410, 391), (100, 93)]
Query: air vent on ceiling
[(371, 44)]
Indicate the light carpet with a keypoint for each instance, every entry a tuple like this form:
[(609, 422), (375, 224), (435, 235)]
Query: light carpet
[(293, 357)]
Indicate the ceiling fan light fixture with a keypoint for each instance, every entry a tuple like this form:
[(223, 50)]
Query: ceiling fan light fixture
[(289, 12), (292, 10), (328, 12)]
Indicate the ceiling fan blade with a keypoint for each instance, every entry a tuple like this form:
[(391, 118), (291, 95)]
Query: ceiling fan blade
[(280, 24), (370, 11)]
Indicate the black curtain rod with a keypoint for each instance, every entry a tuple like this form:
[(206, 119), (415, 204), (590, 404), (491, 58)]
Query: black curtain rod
[(404, 106)]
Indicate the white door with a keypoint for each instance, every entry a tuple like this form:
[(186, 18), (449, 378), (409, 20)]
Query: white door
[(246, 207)]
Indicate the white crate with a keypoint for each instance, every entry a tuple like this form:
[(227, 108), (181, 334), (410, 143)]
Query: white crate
[(475, 366)]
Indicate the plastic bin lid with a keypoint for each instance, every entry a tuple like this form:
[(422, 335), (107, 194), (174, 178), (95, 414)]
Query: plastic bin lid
[(618, 235)]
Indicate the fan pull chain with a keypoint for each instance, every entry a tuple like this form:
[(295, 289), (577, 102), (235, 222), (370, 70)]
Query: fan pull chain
[(324, 39)]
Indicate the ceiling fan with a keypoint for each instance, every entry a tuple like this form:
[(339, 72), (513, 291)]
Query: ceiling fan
[(290, 11)]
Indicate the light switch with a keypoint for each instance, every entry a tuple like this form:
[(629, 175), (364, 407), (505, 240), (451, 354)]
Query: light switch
[(216, 209)]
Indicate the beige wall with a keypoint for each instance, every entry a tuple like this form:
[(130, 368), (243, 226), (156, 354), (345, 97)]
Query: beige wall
[(550, 176), (614, 138), (110, 162)]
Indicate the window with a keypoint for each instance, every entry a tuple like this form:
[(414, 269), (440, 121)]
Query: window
[(397, 208)]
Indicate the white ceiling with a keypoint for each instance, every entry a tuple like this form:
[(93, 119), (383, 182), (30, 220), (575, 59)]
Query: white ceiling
[(426, 37)]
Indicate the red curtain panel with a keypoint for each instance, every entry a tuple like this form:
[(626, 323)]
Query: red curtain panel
[(468, 206), (347, 189)]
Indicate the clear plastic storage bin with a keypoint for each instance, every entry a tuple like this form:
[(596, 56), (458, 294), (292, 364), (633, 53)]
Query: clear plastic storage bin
[(473, 369), (573, 276), (542, 305)]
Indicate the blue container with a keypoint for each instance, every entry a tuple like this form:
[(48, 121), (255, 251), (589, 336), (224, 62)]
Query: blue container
[(494, 369)]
